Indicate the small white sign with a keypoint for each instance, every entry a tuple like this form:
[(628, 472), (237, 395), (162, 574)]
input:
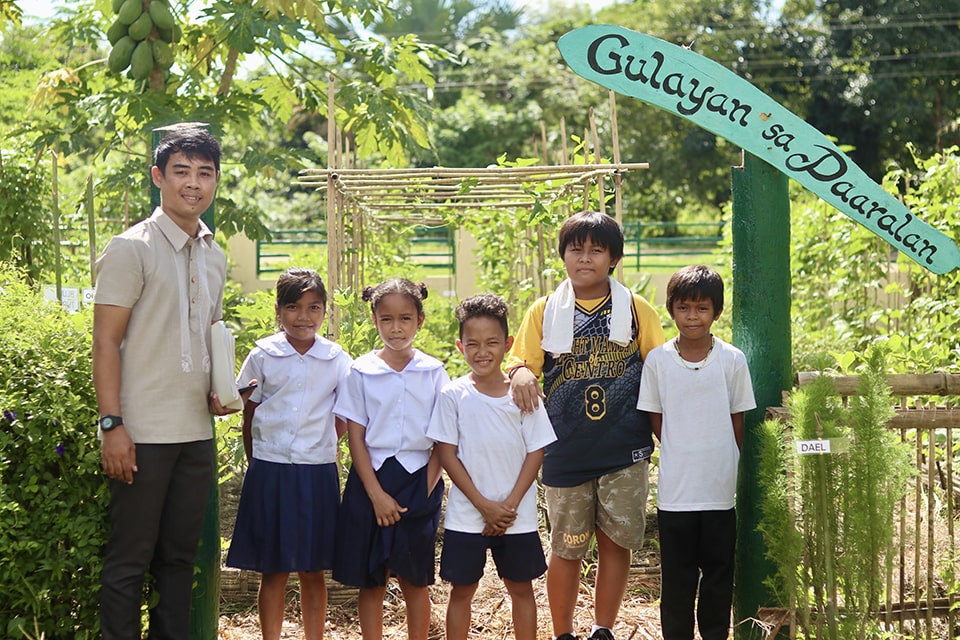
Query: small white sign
[(88, 295), (70, 299), (812, 447)]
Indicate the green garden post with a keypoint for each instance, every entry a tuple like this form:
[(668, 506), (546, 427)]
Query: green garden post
[(761, 329), (205, 612)]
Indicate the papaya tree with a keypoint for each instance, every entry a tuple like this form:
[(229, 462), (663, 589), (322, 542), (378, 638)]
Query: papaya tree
[(250, 68)]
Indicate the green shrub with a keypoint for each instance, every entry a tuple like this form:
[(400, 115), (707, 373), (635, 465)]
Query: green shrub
[(25, 230), (53, 497), (826, 519)]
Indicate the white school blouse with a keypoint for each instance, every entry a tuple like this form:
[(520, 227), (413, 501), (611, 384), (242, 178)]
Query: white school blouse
[(294, 422), (492, 439), (394, 407), (698, 449)]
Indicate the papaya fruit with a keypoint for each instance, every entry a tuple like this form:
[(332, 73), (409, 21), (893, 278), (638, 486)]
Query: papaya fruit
[(130, 11), (116, 6), (162, 54), (121, 54), (161, 15), (170, 35), (116, 31), (141, 27), (141, 62)]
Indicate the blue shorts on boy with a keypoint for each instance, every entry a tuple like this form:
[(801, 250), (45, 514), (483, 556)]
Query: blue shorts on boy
[(291, 491), (493, 438), (394, 407), (518, 557)]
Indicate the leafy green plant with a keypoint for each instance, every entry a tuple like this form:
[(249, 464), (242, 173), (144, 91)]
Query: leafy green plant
[(25, 228), (53, 497), (516, 248), (826, 518), (875, 294)]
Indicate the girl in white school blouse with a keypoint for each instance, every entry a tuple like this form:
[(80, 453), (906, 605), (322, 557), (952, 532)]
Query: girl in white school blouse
[(288, 506), (391, 503)]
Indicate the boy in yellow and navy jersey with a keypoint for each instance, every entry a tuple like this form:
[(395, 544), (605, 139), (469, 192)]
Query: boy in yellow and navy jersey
[(588, 340)]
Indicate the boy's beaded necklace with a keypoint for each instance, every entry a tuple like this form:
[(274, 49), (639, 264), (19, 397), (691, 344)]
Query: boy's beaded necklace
[(693, 366)]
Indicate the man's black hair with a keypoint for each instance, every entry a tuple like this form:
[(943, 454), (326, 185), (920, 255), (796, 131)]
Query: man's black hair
[(192, 142)]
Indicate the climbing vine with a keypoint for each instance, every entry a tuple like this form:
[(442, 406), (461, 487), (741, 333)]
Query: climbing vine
[(25, 226)]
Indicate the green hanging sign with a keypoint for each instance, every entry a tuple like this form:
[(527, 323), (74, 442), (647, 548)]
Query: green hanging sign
[(713, 97)]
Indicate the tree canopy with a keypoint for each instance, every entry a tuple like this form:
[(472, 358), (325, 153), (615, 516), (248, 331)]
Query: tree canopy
[(464, 83), (250, 68)]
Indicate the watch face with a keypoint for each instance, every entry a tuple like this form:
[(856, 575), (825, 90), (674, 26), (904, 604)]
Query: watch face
[(109, 422)]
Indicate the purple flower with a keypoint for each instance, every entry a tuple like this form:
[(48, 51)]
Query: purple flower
[(10, 416), (59, 449)]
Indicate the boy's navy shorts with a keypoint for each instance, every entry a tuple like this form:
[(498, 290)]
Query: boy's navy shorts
[(518, 557)]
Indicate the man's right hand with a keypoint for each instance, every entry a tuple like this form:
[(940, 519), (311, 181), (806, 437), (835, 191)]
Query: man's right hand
[(525, 391), (118, 454)]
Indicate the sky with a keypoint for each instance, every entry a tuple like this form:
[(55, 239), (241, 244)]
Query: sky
[(37, 8), (45, 8)]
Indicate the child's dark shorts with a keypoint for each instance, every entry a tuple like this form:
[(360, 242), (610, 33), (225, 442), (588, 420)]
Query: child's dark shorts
[(518, 557)]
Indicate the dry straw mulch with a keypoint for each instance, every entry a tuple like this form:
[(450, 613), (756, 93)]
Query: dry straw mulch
[(491, 620), (639, 619)]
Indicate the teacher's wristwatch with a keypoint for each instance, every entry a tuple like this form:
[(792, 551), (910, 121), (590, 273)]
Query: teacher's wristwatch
[(108, 423)]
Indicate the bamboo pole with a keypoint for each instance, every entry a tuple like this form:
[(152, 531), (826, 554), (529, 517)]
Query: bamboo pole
[(333, 282), (594, 136), (617, 177), (917, 520), (56, 225), (91, 231), (954, 599), (901, 384), (931, 522), (461, 172), (564, 156), (903, 543), (903, 418), (543, 138), (586, 159)]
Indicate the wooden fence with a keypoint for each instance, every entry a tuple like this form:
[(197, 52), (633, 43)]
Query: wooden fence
[(923, 589)]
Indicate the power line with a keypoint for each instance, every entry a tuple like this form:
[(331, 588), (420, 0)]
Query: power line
[(755, 79)]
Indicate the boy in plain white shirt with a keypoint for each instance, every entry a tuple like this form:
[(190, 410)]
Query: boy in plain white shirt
[(492, 453), (696, 388)]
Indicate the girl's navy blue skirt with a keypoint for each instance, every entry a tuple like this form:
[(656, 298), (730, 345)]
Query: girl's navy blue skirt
[(366, 553), (286, 518)]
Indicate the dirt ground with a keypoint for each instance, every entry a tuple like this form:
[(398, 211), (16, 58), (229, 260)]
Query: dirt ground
[(639, 618)]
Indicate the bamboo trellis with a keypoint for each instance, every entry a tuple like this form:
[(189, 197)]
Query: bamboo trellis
[(359, 199), (926, 536)]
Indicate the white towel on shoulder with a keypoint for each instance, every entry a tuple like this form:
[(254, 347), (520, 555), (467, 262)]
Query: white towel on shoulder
[(558, 317)]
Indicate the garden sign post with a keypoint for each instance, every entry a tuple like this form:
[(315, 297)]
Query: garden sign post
[(205, 611), (777, 145)]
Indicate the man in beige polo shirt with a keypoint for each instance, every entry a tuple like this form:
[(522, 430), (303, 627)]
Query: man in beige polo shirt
[(159, 288)]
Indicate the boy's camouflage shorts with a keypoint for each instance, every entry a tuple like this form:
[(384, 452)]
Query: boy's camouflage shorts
[(615, 502)]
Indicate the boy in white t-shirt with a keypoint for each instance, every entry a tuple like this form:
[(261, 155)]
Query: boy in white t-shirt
[(696, 388), (492, 453)]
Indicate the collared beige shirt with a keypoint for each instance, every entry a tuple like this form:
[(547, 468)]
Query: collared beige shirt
[(173, 285)]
